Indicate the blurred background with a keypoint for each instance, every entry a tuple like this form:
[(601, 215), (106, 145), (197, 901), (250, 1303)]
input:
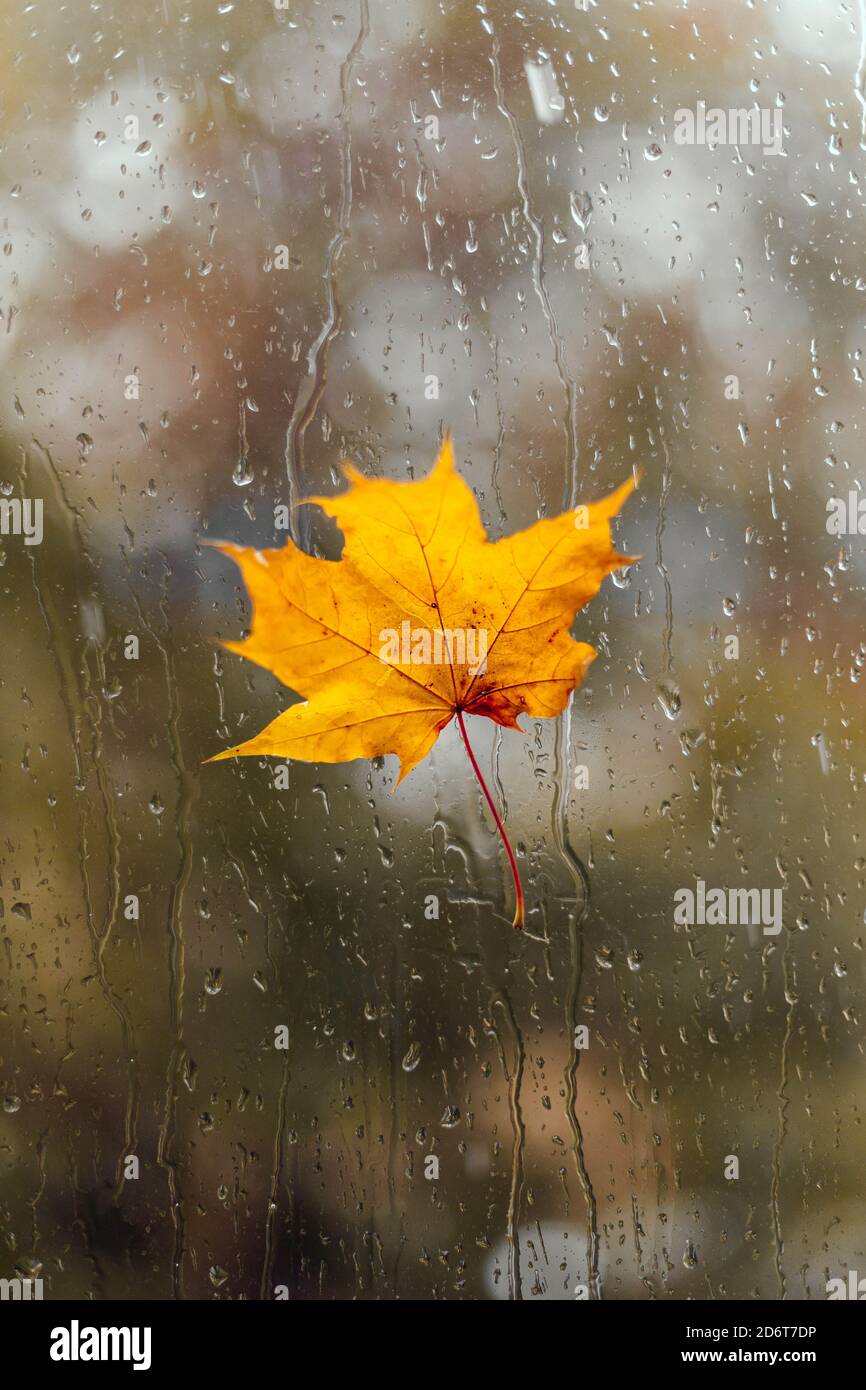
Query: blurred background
[(240, 243)]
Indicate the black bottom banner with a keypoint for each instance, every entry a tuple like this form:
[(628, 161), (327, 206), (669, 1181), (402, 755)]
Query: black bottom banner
[(65, 1338)]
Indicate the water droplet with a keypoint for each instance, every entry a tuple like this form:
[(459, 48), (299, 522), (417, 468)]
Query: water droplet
[(580, 205), (670, 700), (690, 739)]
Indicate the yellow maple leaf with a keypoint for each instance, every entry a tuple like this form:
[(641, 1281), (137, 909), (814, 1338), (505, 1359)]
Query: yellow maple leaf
[(421, 620)]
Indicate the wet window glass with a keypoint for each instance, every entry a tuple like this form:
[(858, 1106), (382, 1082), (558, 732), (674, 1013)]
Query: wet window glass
[(267, 1028)]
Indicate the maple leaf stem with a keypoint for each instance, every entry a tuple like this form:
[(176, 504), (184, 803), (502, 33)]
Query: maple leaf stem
[(518, 911)]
